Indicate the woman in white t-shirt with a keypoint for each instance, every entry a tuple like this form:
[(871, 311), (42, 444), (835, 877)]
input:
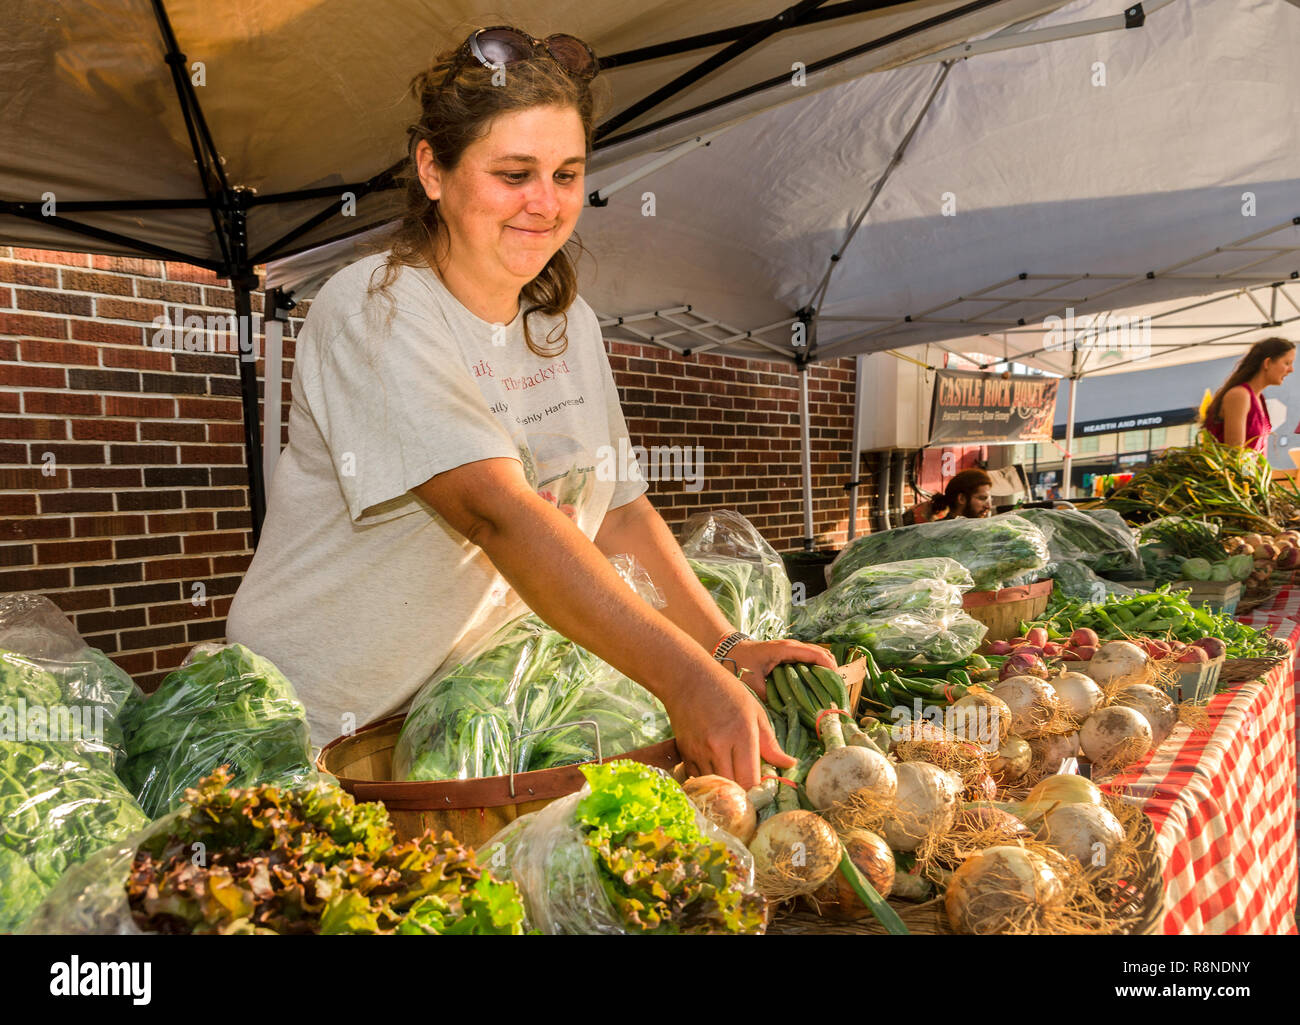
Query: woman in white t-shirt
[(452, 401)]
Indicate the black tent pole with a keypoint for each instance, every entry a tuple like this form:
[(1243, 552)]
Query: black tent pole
[(243, 281)]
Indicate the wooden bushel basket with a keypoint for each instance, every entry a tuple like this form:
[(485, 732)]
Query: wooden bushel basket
[(472, 810), (1002, 611)]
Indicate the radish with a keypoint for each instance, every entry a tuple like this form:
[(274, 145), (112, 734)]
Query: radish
[(1212, 646), (1031, 700), (1194, 655), (1089, 833), (1156, 708), (794, 852), (1037, 636), (1115, 735), (1022, 665), (1084, 638), (924, 806), (1085, 653), (999, 889), (999, 648), (842, 771), (1118, 662), (723, 803), (1052, 650), (1078, 694)]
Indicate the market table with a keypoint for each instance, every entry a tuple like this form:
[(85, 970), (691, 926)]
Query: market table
[(1223, 802)]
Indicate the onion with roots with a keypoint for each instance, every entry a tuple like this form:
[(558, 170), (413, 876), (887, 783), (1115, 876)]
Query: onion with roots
[(1078, 694), (1001, 889), (842, 771), (1156, 707), (1063, 788), (1032, 702), (1051, 749), (924, 806), (985, 818), (794, 852), (1089, 833), (1012, 761), (1115, 736), (1118, 663), (724, 803), (836, 899), (980, 717)]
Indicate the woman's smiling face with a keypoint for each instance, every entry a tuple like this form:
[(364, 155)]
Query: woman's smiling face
[(514, 198)]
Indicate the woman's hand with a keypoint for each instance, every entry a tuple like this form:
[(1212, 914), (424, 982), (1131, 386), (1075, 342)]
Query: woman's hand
[(755, 659), (721, 729)]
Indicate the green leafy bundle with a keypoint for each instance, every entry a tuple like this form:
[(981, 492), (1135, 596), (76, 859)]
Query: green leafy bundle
[(931, 587), (307, 860), (528, 678), (1098, 539), (660, 873), (995, 549), (910, 638), (231, 707), (60, 801), (741, 570)]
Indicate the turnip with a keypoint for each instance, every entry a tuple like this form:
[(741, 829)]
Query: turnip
[(724, 803), (1119, 663), (1052, 749), (1115, 736), (842, 771), (836, 898), (1078, 694), (1084, 638), (794, 852), (924, 805), (1012, 761), (1156, 707), (1089, 833), (1001, 889), (1032, 702)]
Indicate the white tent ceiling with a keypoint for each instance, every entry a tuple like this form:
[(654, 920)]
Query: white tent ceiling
[(1124, 171)]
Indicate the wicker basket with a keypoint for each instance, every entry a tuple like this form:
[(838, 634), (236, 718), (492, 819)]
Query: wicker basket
[(1239, 670), (1138, 906)]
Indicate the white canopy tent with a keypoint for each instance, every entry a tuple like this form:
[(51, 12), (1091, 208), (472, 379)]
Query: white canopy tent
[(1144, 163), (227, 135)]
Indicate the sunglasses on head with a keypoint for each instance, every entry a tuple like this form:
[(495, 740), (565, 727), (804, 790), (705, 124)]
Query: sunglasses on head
[(501, 46)]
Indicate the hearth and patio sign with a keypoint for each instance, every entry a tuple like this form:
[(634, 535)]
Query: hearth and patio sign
[(989, 409)]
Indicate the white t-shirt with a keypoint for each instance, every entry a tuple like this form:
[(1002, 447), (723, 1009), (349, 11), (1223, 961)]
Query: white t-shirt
[(358, 590)]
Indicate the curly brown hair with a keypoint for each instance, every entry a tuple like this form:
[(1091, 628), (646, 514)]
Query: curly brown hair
[(450, 120)]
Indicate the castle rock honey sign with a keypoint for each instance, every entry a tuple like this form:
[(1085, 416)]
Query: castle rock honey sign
[(989, 409)]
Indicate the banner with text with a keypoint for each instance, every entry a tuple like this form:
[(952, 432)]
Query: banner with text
[(988, 409)]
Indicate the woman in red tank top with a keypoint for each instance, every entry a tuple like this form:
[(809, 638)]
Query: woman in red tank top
[(1236, 415)]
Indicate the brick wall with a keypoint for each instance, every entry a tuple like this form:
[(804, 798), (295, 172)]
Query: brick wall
[(122, 480)]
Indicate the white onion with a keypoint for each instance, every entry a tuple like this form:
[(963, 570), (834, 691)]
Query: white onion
[(980, 717), (1114, 733), (995, 888), (794, 852), (1012, 761), (925, 805), (1156, 707), (842, 771), (1089, 833), (1031, 701), (1119, 663), (1079, 694), (724, 803), (1051, 749), (873, 858)]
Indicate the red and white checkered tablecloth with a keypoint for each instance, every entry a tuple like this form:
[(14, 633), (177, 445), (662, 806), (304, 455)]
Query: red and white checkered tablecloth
[(1223, 802)]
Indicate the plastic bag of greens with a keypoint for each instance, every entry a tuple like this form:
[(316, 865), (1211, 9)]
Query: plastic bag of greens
[(39, 647), (927, 586), (627, 854), (745, 575), (1076, 581), (1105, 543), (910, 638), (995, 549), (230, 707), (530, 690)]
